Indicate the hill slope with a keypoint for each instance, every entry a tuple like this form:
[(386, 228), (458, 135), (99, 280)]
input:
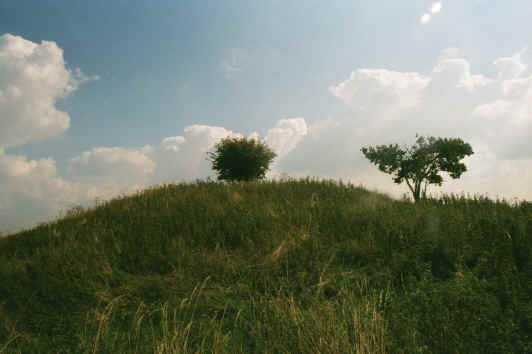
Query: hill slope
[(292, 266)]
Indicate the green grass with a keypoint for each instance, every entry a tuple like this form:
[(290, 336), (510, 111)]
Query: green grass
[(295, 266)]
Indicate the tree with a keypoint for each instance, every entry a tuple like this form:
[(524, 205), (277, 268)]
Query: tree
[(241, 159), (422, 162)]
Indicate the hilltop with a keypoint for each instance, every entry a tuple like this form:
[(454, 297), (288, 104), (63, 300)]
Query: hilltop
[(288, 266)]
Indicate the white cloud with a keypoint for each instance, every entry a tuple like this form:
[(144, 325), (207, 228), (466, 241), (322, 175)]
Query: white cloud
[(388, 92), (511, 67), (34, 76), (286, 134), (457, 72), (172, 143)]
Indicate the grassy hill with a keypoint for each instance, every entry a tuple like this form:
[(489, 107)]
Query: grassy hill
[(297, 266)]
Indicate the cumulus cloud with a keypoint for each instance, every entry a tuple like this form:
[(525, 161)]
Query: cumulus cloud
[(511, 67), (172, 143), (388, 92), (33, 77), (286, 134)]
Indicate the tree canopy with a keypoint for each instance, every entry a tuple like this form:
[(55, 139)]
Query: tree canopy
[(421, 164), (241, 159)]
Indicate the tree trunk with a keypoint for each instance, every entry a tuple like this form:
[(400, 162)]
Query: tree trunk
[(417, 191)]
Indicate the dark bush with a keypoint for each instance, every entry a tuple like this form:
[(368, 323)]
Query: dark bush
[(241, 159)]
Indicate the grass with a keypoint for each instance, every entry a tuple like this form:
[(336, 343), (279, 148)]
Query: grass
[(293, 266)]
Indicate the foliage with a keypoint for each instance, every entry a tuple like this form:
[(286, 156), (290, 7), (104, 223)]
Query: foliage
[(241, 159), (296, 266), (421, 162)]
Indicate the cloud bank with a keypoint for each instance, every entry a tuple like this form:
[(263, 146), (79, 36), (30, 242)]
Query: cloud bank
[(381, 106)]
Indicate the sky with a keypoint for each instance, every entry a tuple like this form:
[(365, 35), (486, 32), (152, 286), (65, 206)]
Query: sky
[(104, 98)]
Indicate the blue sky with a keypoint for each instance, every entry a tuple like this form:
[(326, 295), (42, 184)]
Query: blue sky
[(125, 94)]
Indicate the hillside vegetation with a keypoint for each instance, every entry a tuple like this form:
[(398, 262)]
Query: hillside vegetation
[(294, 266)]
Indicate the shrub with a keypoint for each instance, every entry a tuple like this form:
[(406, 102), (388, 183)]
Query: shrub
[(241, 159)]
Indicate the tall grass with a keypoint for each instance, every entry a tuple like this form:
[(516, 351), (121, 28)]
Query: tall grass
[(293, 266)]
